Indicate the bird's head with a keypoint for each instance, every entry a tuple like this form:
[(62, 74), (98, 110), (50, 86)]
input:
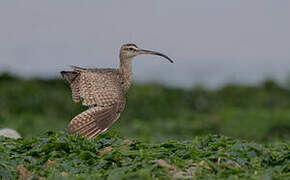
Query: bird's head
[(129, 51)]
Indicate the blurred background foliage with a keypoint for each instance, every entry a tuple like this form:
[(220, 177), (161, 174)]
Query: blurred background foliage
[(155, 112)]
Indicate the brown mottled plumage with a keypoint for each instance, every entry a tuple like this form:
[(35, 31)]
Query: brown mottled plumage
[(103, 90)]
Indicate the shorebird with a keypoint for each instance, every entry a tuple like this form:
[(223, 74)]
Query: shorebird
[(103, 91)]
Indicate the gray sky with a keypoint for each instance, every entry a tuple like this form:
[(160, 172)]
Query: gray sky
[(212, 42)]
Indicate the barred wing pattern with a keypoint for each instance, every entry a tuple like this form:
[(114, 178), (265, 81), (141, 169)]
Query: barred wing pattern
[(100, 87), (95, 120)]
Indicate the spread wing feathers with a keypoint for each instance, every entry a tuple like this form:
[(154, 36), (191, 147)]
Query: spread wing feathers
[(73, 78), (95, 120), (69, 75), (101, 87)]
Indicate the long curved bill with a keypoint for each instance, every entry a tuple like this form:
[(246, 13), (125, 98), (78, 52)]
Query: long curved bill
[(143, 51)]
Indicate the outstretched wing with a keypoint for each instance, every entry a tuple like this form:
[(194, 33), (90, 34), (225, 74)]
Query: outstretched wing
[(95, 120), (73, 78), (100, 87)]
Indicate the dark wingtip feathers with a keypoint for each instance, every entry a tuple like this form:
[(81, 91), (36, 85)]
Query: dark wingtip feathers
[(69, 75)]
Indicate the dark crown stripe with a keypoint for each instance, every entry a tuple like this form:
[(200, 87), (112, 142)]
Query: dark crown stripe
[(131, 45)]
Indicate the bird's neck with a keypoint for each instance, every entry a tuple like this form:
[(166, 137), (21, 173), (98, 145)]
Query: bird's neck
[(126, 70)]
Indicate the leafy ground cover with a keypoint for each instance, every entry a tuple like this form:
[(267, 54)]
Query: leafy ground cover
[(170, 129), (153, 112), (56, 155)]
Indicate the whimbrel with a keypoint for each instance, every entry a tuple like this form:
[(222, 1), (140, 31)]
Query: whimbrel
[(103, 91)]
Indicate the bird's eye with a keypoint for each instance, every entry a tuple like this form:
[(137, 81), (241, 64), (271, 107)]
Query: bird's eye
[(131, 49)]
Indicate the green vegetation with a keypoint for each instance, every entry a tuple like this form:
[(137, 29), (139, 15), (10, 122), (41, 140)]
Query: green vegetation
[(60, 156), (153, 112), (171, 128)]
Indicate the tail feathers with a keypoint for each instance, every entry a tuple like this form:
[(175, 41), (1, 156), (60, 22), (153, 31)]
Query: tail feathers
[(93, 121)]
